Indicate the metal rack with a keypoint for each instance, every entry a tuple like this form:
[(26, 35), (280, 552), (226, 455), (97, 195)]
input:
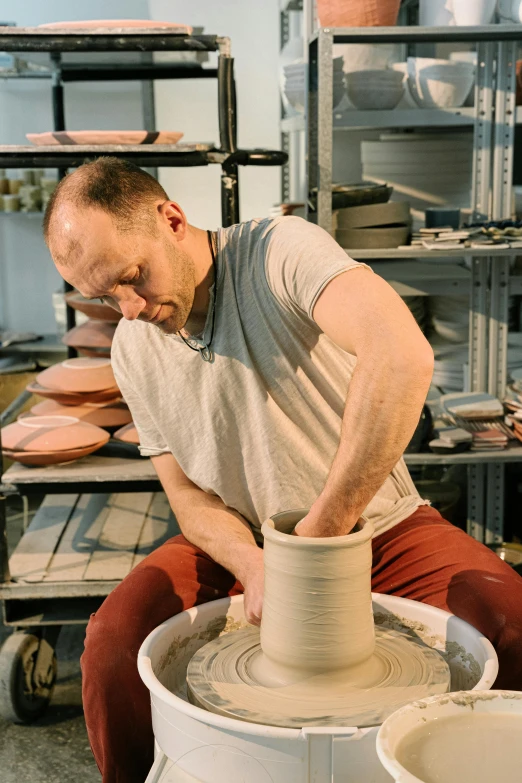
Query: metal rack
[(493, 119), (40, 606)]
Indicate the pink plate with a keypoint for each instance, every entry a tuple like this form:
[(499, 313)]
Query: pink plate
[(108, 415), (92, 307), (79, 375), (42, 458), (51, 433), (92, 334), (72, 398), (120, 24), (128, 434), (104, 137)]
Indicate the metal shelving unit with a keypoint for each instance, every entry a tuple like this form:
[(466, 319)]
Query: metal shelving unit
[(48, 603), (493, 118)]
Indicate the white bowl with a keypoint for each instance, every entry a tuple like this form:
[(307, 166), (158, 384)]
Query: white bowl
[(375, 89), (422, 716), (439, 83)]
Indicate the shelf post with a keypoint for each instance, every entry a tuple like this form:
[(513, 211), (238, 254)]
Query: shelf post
[(227, 112), (319, 127), (505, 111)]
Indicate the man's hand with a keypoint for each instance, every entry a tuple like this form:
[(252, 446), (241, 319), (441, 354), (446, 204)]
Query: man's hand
[(253, 582), (324, 525)]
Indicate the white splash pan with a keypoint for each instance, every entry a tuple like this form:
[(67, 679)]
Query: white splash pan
[(207, 748)]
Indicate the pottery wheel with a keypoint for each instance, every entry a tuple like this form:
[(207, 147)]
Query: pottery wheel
[(222, 677)]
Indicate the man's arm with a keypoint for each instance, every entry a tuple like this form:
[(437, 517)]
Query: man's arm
[(362, 314), (218, 530)]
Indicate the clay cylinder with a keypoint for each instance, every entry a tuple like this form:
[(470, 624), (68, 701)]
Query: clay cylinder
[(317, 609)]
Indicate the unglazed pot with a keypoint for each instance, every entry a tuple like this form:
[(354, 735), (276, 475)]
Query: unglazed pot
[(317, 577), (92, 308), (357, 13), (92, 334), (51, 433), (109, 415)]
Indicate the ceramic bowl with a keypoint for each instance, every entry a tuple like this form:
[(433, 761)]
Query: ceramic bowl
[(371, 215), (51, 433), (128, 434), (74, 398), (439, 83), (92, 307), (375, 89), (108, 415), (43, 458), (92, 334), (79, 375)]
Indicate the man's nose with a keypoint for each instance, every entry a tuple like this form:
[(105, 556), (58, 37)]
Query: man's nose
[(130, 304)]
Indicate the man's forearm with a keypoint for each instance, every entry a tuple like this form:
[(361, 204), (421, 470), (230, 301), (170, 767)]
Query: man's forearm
[(218, 530), (381, 413)]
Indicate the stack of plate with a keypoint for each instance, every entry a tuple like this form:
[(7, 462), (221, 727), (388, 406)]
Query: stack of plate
[(93, 308), (77, 381), (294, 85), (450, 317), (49, 440), (417, 306), (373, 225), (425, 169), (450, 364), (487, 440)]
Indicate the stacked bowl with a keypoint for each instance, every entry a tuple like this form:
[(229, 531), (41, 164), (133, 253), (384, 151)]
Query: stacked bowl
[(439, 83), (373, 225), (295, 83), (94, 336)]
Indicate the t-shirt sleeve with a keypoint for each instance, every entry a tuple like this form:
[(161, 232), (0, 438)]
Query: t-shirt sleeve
[(152, 444), (300, 261)]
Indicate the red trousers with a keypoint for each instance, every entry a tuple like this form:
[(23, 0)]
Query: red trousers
[(424, 558)]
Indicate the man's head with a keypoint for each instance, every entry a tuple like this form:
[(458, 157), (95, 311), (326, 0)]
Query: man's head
[(114, 234)]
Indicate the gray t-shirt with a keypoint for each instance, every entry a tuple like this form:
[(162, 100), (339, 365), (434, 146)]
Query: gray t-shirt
[(259, 425)]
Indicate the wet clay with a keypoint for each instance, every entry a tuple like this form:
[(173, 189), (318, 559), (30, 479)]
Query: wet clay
[(477, 747), (318, 659)]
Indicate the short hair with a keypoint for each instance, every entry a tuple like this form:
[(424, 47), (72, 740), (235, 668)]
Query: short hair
[(118, 187)]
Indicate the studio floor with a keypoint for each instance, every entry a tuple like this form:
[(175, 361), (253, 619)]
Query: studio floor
[(55, 749)]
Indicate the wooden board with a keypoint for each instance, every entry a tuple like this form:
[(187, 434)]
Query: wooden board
[(35, 549), (160, 525), (114, 553), (79, 538)]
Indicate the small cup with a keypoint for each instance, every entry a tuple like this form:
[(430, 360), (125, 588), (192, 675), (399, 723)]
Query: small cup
[(442, 217), (11, 202), (27, 176), (4, 185), (31, 198)]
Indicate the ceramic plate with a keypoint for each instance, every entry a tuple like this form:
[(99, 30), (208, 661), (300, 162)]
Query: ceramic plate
[(42, 458), (70, 398), (51, 433), (92, 307), (108, 415), (104, 137), (128, 434), (120, 24), (92, 334), (79, 375)]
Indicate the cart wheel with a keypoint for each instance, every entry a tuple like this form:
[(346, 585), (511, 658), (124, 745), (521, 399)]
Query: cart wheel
[(25, 688)]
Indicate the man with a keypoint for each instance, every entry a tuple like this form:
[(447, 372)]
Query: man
[(265, 370)]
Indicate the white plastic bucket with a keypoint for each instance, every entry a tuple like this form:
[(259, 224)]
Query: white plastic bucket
[(215, 749), (422, 713)]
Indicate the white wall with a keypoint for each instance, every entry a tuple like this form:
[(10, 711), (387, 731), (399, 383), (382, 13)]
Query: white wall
[(191, 106), (27, 274)]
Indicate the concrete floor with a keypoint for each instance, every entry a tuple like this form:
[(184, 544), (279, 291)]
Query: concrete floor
[(54, 749)]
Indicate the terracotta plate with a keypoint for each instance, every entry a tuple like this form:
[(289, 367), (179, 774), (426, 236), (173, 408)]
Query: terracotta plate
[(92, 334), (128, 434), (104, 137), (51, 433), (109, 415), (123, 24), (72, 398), (83, 374), (41, 458), (92, 307)]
